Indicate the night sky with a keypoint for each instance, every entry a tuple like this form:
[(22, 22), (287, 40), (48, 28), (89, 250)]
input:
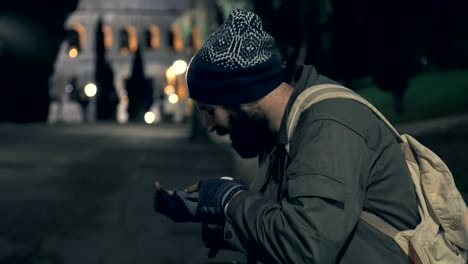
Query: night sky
[(30, 34)]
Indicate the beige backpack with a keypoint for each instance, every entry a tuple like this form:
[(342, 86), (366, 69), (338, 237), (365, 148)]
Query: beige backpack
[(442, 235)]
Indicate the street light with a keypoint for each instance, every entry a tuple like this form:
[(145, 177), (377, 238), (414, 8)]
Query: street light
[(73, 52), (179, 67), (173, 98), (150, 117), (90, 90), (170, 73)]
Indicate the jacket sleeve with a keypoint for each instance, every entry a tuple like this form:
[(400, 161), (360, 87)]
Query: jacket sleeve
[(312, 223)]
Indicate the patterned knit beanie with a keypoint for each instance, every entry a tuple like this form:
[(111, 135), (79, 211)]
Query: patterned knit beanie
[(236, 64)]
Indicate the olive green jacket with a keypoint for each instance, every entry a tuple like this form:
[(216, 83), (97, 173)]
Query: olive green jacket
[(304, 207)]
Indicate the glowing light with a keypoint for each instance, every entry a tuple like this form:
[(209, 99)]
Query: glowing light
[(73, 52), (107, 30), (132, 38), (90, 89), (170, 73), (150, 117), (179, 67), (169, 89), (173, 98), (155, 40), (81, 33), (177, 38)]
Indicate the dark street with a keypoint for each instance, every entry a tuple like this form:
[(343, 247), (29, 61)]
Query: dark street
[(83, 194)]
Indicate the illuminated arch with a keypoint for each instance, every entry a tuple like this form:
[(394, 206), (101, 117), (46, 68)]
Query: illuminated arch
[(196, 38), (176, 39), (108, 39), (81, 30), (123, 40), (73, 39), (129, 39), (132, 38), (153, 37)]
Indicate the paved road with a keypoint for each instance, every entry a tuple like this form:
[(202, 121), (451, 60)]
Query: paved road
[(83, 194)]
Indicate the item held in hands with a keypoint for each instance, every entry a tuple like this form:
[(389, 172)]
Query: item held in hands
[(179, 207)]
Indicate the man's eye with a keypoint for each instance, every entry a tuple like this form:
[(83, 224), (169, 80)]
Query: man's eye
[(211, 112)]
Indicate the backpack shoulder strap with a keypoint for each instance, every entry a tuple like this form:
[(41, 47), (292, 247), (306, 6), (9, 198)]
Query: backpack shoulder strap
[(379, 224), (317, 93)]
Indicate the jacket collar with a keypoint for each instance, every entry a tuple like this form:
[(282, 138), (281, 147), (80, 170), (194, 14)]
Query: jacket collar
[(305, 76)]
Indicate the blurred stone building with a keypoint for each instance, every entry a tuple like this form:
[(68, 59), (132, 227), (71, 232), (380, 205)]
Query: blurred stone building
[(164, 30)]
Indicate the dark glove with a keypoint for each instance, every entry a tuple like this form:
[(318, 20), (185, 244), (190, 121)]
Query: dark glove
[(179, 207), (213, 196)]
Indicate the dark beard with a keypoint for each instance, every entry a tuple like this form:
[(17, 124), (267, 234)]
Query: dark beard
[(250, 136)]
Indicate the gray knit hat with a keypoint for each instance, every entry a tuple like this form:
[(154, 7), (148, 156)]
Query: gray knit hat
[(236, 64)]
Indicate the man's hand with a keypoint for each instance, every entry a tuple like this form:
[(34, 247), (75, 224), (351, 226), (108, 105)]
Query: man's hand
[(203, 202), (177, 205), (213, 196)]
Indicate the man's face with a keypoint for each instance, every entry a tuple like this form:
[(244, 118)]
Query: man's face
[(249, 133)]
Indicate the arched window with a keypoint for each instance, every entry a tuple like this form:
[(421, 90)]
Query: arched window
[(107, 30), (152, 38), (76, 38), (175, 40), (81, 30), (128, 39), (193, 40), (132, 38), (124, 46), (74, 45), (170, 39), (196, 38)]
